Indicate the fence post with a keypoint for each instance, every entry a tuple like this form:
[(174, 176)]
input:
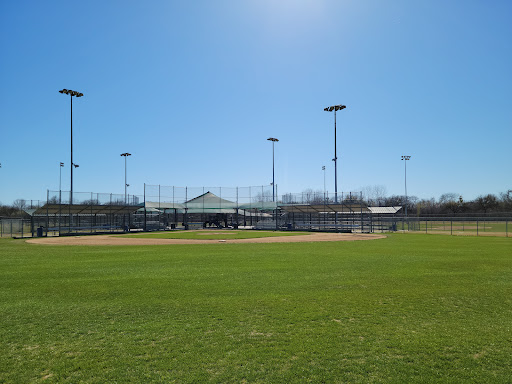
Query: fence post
[(47, 216), (506, 228), (477, 227), (144, 207), (60, 209), (90, 219), (451, 227), (175, 210), (110, 219)]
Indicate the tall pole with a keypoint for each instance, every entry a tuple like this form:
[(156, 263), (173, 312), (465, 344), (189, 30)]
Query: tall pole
[(273, 174), (71, 167), (60, 177), (335, 163), (323, 169), (60, 193), (330, 109), (71, 94), (405, 158), (125, 155), (273, 140)]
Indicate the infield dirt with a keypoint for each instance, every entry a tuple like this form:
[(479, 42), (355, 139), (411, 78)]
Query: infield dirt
[(118, 240)]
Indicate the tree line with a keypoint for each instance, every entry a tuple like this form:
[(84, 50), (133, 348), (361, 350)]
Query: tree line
[(447, 204)]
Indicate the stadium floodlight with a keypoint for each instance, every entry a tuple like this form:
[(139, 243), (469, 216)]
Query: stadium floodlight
[(273, 140), (71, 94), (405, 158), (126, 185), (335, 108)]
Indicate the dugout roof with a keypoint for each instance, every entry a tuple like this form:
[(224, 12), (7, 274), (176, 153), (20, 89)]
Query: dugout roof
[(325, 208), (85, 209), (385, 210)]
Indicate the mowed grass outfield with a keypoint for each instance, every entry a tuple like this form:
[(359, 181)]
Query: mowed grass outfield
[(405, 309)]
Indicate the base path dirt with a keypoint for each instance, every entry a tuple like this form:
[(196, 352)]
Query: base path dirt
[(116, 240)]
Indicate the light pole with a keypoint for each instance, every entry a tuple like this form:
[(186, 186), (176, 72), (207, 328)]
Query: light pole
[(125, 155), (60, 181), (405, 158), (71, 94), (60, 192), (323, 169), (273, 140), (60, 177), (330, 109)]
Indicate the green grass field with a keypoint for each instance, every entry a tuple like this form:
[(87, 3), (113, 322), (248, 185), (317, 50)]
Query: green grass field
[(482, 228), (206, 234), (405, 309)]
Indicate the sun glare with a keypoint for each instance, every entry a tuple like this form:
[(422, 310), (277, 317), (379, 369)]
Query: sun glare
[(289, 17)]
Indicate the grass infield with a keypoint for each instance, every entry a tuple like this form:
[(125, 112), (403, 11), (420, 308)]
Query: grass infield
[(408, 308)]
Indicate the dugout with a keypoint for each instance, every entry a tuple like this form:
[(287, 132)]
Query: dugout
[(89, 213)]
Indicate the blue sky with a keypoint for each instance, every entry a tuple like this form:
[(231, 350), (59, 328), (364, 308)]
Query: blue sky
[(193, 89)]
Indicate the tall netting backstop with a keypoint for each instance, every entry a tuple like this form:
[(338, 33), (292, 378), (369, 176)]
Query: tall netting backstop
[(258, 207)]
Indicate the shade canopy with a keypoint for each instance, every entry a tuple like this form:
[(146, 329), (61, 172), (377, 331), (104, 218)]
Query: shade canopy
[(87, 209)]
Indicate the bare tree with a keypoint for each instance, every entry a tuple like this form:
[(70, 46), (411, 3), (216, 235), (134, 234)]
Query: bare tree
[(374, 194), (394, 200), (448, 197), (289, 198), (7, 211), (505, 201), (486, 203), (308, 196), (428, 206), (262, 197), (53, 200), (19, 204)]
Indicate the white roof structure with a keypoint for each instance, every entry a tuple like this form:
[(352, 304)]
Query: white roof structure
[(385, 210)]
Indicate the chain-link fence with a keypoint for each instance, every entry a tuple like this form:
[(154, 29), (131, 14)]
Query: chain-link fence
[(91, 198), (15, 227), (260, 207), (457, 226)]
